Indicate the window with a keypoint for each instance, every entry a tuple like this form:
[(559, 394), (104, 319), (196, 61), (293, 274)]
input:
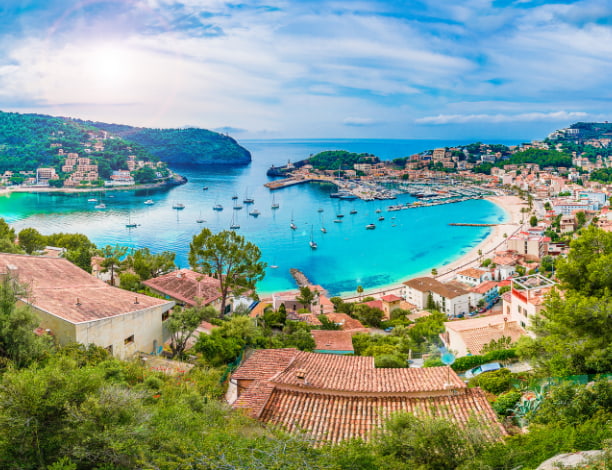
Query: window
[(165, 315), (109, 349), (129, 340)]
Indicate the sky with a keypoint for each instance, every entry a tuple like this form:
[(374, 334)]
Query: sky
[(422, 69)]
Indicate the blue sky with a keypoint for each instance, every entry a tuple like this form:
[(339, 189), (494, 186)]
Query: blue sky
[(473, 69)]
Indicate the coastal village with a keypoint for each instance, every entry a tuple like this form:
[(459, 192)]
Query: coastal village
[(331, 390)]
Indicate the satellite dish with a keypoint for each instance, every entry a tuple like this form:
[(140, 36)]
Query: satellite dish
[(448, 358)]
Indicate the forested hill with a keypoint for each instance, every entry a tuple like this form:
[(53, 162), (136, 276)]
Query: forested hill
[(29, 141), (190, 146)]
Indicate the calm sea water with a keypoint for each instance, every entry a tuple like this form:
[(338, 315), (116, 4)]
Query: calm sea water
[(404, 244)]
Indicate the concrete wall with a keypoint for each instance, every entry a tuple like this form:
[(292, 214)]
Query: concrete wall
[(145, 325)]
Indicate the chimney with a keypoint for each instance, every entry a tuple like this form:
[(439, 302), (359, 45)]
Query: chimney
[(300, 374), (136, 300), (78, 302)]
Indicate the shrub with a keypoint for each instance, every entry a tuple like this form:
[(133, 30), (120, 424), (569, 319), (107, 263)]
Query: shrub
[(495, 382), (390, 361), (433, 362), (505, 403)]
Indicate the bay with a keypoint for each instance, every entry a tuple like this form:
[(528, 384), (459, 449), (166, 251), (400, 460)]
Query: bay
[(406, 243)]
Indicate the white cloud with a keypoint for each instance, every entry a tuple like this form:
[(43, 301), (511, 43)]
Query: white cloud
[(358, 121), (500, 118)]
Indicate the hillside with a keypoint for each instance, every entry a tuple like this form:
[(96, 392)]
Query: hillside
[(29, 141), (182, 146)]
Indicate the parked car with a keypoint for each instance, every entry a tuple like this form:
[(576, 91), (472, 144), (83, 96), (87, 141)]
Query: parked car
[(489, 367)]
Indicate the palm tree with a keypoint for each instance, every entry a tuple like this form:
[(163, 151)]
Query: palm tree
[(360, 290)]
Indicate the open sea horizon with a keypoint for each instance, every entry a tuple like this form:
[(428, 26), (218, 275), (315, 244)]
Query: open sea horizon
[(406, 243)]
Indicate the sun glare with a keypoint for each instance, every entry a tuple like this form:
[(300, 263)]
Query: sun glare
[(110, 66)]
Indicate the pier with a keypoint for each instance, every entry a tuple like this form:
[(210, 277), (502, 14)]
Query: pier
[(299, 277)]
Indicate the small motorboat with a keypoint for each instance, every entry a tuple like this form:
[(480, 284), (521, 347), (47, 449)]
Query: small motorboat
[(370, 227)]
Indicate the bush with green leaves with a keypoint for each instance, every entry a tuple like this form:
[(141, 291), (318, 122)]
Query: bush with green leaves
[(506, 402), (495, 382), (469, 362)]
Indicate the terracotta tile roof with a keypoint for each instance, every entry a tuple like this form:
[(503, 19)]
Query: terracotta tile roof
[(345, 321), (264, 363), (484, 287), (64, 290), (391, 298), (186, 286), (332, 398), (358, 374), (334, 418), (477, 332), (426, 284), (330, 340), (472, 272)]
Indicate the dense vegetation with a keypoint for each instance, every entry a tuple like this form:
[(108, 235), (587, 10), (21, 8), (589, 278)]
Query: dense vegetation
[(541, 157), (182, 146), (603, 175), (339, 160), (25, 140), (26, 143)]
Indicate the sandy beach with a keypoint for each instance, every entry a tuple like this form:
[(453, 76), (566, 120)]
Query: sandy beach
[(512, 205)]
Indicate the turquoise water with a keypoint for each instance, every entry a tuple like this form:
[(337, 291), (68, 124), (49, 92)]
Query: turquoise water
[(348, 255)]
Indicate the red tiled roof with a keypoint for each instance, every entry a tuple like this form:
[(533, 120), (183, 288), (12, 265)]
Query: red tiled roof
[(334, 418), (390, 298), (345, 321), (330, 340), (484, 287), (187, 286), (264, 363), (66, 291), (332, 398), (343, 373), (472, 272), (426, 284), (478, 332)]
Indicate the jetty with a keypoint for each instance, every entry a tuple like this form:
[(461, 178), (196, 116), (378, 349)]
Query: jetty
[(300, 277), (286, 182)]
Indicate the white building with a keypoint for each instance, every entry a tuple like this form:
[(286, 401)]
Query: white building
[(450, 298), (74, 306), (526, 298)]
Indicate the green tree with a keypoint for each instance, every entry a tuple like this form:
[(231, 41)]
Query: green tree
[(148, 265), (229, 258), (7, 238), (431, 443), (31, 240), (129, 281), (18, 342), (586, 268), (144, 175), (533, 221), (369, 316), (182, 324), (113, 260), (573, 334), (306, 297)]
